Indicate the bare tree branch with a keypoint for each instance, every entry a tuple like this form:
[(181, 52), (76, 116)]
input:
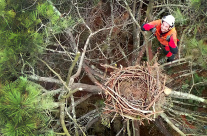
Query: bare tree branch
[(182, 95), (90, 88), (164, 116)]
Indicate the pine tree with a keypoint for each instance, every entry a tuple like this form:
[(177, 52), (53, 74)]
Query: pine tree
[(19, 38), (23, 110), (24, 30)]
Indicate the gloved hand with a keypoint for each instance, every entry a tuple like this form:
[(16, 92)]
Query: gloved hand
[(168, 38), (158, 49), (153, 30)]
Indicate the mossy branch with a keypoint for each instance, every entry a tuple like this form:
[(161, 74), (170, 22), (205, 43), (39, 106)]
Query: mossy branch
[(62, 116), (72, 67)]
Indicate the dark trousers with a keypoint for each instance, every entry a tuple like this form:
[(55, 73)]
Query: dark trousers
[(169, 59)]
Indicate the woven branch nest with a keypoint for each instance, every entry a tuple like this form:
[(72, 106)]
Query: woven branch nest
[(135, 92)]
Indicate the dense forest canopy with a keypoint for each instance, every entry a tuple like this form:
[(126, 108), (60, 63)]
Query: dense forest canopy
[(77, 67)]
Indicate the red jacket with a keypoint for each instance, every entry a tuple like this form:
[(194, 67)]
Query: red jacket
[(170, 45)]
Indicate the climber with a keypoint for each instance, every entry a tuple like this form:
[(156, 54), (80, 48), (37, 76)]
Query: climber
[(166, 34)]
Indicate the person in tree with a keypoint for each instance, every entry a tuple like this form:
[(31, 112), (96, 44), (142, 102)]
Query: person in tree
[(165, 32)]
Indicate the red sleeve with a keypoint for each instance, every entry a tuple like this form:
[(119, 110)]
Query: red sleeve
[(150, 25), (146, 27)]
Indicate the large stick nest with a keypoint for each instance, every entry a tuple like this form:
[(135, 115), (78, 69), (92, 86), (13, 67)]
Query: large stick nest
[(135, 92)]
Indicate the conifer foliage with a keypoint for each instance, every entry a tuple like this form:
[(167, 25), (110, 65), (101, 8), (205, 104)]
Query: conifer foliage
[(25, 30), (19, 38), (23, 34), (23, 109)]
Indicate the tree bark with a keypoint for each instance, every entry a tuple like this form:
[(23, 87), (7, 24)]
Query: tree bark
[(160, 124), (136, 31), (149, 43)]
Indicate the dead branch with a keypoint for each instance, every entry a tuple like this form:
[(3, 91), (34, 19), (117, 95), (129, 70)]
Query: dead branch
[(77, 102), (164, 116), (170, 5), (86, 120), (182, 95), (89, 73), (85, 87), (177, 62), (75, 123)]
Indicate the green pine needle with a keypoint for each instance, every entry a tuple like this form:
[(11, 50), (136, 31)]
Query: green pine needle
[(22, 108)]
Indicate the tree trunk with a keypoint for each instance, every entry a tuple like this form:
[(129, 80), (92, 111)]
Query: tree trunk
[(149, 43)]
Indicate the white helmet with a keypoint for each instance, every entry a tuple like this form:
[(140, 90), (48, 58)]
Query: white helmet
[(169, 19)]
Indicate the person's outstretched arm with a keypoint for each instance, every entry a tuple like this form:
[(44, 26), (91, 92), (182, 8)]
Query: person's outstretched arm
[(149, 26)]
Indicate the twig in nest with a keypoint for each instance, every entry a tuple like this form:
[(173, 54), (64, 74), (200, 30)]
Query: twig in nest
[(132, 91)]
